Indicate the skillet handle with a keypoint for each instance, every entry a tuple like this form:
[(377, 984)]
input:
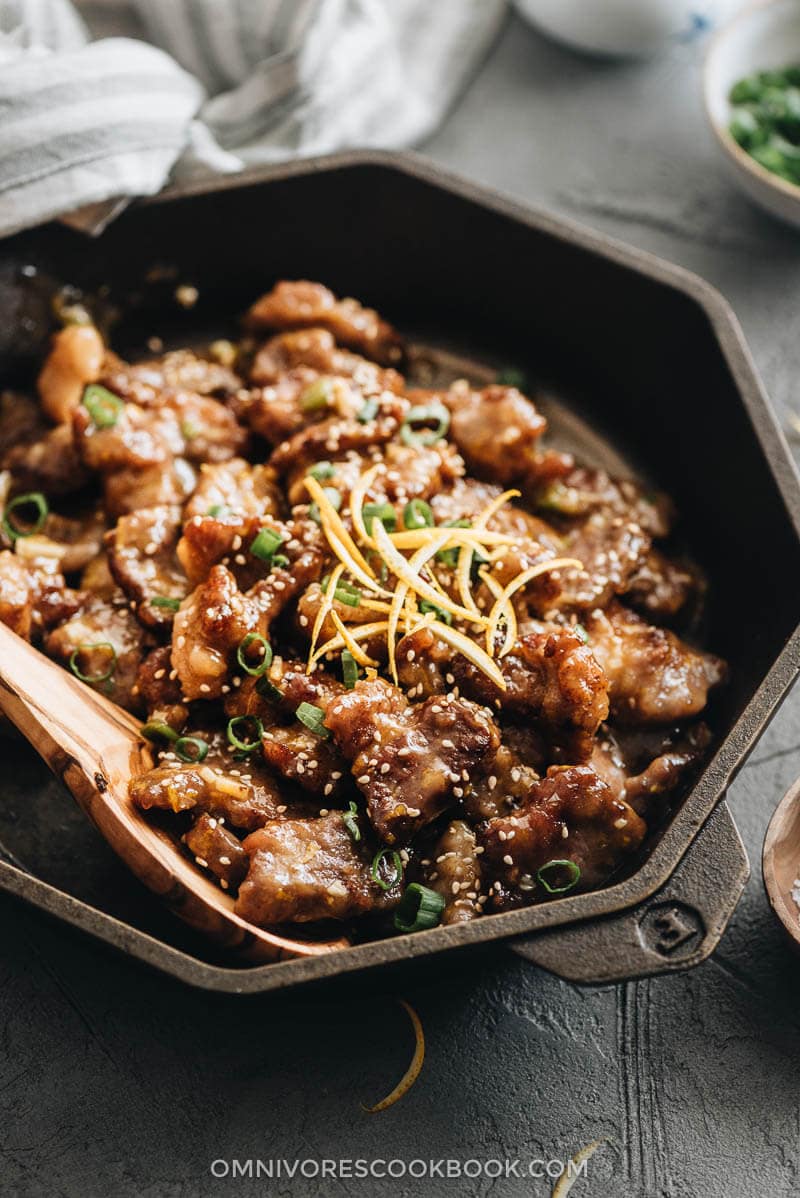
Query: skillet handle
[(675, 928)]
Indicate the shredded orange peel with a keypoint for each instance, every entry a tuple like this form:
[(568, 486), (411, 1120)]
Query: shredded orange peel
[(415, 581), (415, 1067)]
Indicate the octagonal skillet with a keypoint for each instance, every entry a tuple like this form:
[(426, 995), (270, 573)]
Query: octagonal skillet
[(640, 352)]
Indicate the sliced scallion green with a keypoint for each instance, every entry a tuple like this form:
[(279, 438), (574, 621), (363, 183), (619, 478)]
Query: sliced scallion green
[(165, 601), (386, 859), (244, 657), (241, 722), (426, 606), (318, 396), (104, 407), (368, 411), (420, 908), (350, 821), (264, 544), (313, 717), (87, 647), (557, 868), (379, 511), (158, 729), (417, 514), (433, 413), (334, 499), (191, 748), (322, 471), (349, 669), (33, 499)]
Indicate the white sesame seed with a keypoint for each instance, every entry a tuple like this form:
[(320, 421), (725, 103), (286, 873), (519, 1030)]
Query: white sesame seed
[(508, 859)]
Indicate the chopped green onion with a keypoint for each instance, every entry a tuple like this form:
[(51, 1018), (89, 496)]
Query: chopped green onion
[(32, 498), (265, 543), (317, 396), (334, 499), (581, 632), (368, 411), (158, 728), (417, 514), (510, 376), (350, 821), (322, 470), (313, 718), (190, 429), (244, 721), (191, 748), (280, 559), (267, 690), (423, 415), (426, 606), (103, 405), (349, 669), (345, 592), (165, 601), (379, 511), (420, 908), (556, 867), (254, 638), (85, 648), (387, 856), (219, 509), (450, 556)]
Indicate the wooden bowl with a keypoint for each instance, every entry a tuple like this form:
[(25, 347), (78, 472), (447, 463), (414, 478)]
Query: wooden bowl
[(781, 862)]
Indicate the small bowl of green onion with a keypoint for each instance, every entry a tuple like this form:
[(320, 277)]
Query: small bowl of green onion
[(752, 96)]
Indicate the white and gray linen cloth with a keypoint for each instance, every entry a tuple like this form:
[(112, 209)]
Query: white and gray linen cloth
[(210, 86)]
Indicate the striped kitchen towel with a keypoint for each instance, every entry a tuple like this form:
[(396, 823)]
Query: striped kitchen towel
[(204, 86)]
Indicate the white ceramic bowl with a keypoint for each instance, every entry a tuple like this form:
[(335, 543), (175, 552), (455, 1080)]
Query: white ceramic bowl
[(765, 36), (618, 27)]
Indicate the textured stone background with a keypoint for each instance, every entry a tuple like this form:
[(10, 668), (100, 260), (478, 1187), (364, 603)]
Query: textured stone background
[(117, 1082)]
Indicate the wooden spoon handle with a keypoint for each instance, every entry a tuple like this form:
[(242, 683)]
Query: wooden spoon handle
[(95, 748)]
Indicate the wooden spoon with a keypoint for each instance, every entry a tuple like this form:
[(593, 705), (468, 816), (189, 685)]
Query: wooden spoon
[(781, 861), (95, 748)]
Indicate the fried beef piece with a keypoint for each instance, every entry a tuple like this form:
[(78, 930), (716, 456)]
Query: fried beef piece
[(98, 624), (21, 421), (611, 550), (497, 429), (336, 436), (216, 849), (571, 814), (313, 352), (289, 747), (141, 557), (127, 490), (410, 762), (180, 370), (506, 781), (33, 595), (246, 802), (584, 490), (663, 589), (552, 679), (207, 630), (210, 431), (50, 463), (158, 691), (640, 766), (301, 304), (234, 488), (67, 543), (653, 676), (455, 872), (467, 498), (96, 577), (75, 359), (209, 541), (303, 870)]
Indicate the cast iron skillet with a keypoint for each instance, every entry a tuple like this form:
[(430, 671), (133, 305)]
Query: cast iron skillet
[(649, 355)]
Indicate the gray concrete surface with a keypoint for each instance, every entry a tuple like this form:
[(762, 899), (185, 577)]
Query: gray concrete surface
[(115, 1082)]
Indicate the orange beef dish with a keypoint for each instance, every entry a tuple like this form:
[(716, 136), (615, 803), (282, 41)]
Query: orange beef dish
[(400, 663)]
